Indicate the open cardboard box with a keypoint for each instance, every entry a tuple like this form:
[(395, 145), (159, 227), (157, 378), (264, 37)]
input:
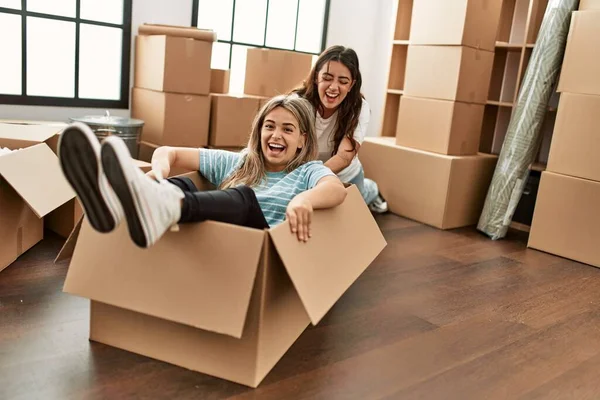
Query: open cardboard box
[(224, 300), (31, 186)]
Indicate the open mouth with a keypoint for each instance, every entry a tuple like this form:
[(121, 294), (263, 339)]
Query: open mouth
[(331, 96), (276, 147)]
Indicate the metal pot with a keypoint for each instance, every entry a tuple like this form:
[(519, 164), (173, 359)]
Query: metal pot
[(128, 129)]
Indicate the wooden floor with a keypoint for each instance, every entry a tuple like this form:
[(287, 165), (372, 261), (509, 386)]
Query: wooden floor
[(439, 315)]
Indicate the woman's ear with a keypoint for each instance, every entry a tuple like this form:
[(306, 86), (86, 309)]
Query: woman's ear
[(302, 141)]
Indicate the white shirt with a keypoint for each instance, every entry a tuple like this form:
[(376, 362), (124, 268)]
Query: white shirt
[(325, 131)]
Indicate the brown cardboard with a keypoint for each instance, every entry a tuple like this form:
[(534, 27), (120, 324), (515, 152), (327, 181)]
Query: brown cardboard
[(231, 119), (566, 221), (31, 186), (219, 80), (472, 23), (589, 5), (172, 64), (457, 73), (576, 141), (581, 62), (230, 314), (172, 119), (272, 72), (441, 126), (438, 190), (146, 150)]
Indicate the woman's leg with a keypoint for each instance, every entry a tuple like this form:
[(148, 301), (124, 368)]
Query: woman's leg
[(367, 188), (237, 206), (370, 192)]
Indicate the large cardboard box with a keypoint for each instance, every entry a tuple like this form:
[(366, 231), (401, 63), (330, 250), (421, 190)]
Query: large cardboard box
[(441, 126), (566, 221), (172, 119), (231, 119), (472, 23), (438, 190), (219, 80), (581, 62), (31, 186), (457, 73), (217, 298), (172, 64), (589, 5), (146, 150), (272, 72), (575, 146)]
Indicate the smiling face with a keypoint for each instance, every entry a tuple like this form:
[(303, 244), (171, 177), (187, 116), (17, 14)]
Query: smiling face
[(280, 138), (334, 81)]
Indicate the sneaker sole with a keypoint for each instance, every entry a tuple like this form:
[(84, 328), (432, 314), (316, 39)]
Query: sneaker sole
[(79, 161), (115, 169)]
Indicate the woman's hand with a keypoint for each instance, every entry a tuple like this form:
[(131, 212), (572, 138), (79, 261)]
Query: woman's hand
[(299, 214)]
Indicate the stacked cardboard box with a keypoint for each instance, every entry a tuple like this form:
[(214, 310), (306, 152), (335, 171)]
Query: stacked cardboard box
[(172, 85), (273, 72), (566, 221), (438, 176)]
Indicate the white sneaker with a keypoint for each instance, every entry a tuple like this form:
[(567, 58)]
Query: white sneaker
[(151, 207), (379, 205), (79, 156)]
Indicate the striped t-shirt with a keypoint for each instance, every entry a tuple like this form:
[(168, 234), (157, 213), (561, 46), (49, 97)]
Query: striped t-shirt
[(276, 191)]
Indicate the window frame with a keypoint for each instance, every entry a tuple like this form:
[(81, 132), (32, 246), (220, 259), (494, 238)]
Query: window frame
[(231, 42), (24, 99)]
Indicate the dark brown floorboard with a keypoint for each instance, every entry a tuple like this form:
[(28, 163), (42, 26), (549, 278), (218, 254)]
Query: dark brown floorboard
[(438, 315)]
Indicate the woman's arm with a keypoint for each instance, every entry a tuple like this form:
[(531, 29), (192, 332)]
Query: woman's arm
[(344, 155), (329, 192), (165, 158)]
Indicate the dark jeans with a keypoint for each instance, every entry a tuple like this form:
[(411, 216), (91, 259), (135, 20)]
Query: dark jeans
[(234, 206)]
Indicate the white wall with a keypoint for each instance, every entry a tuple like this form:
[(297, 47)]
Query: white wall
[(365, 26), (172, 12)]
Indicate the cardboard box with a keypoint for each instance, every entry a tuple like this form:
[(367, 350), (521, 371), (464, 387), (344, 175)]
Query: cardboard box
[(273, 72), (31, 186), (448, 73), (229, 314), (219, 80), (581, 62), (589, 5), (34, 131), (441, 126), (438, 190), (566, 221), (231, 119), (575, 146), (472, 23), (172, 119), (172, 64), (146, 150)]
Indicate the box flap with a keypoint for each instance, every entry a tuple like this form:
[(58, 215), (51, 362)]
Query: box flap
[(66, 251), (345, 240), (34, 133), (201, 276), (35, 174)]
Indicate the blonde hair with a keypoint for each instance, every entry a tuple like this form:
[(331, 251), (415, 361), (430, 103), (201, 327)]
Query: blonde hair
[(253, 170)]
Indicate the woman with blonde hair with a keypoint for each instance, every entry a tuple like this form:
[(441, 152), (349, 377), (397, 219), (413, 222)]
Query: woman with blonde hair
[(274, 178)]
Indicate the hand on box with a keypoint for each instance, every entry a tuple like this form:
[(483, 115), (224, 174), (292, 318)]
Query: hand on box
[(299, 214)]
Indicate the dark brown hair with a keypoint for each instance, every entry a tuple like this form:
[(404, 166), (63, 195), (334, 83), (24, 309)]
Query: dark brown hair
[(349, 109)]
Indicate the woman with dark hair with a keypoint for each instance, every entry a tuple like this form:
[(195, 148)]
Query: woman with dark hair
[(342, 117)]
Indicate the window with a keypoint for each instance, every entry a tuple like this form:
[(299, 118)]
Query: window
[(71, 53), (297, 25)]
